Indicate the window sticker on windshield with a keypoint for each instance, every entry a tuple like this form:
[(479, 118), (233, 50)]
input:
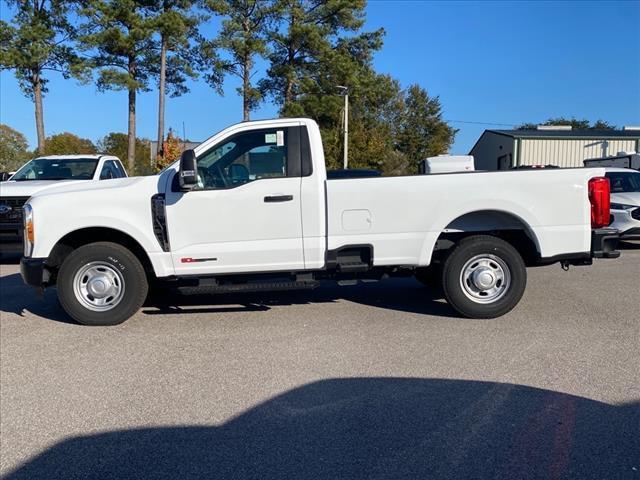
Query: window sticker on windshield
[(269, 138), (280, 135)]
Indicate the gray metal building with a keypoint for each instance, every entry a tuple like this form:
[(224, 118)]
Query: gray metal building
[(560, 146)]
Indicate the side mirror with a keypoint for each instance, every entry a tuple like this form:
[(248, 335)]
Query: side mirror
[(4, 176), (188, 173)]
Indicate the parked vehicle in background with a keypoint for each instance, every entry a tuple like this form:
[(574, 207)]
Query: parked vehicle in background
[(352, 173), (41, 174), (251, 208), (447, 164), (622, 160), (625, 202)]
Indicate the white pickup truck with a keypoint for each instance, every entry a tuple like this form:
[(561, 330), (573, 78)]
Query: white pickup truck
[(44, 173), (251, 208)]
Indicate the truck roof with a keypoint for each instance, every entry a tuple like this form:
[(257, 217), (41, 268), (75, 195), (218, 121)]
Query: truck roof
[(94, 156)]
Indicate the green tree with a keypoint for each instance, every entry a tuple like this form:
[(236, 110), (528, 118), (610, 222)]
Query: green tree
[(602, 125), (35, 43), (13, 149), (68, 144), (116, 143), (573, 122), (422, 132), (374, 99), (119, 35), (301, 41), (177, 26), (242, 37)]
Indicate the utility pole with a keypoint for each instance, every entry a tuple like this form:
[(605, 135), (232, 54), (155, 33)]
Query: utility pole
[(345, 160)]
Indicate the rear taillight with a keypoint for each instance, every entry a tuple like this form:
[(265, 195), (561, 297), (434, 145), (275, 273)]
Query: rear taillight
[(600, 198)]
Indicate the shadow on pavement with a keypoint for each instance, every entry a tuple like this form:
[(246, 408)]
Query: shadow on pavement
[(18, 298), (405, 295), (373, 428), (401, 294), (629, 245)]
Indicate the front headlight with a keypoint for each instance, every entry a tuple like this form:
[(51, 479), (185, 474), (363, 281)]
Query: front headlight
[(621, 206), (29, 232)]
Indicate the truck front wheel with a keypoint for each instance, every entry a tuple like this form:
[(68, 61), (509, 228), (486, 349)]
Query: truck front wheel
[(483, 277), (101, 283)]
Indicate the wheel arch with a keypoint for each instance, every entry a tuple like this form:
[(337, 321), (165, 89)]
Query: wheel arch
[(84, 236), (499, 223)]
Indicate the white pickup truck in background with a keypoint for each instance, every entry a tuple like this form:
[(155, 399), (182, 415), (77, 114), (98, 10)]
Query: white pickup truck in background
[(251, 208), (43, 173)]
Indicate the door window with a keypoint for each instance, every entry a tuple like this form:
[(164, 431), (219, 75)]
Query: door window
[(109, 170), (244, 158), (119, 169)]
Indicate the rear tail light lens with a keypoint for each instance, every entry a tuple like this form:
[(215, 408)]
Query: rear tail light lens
[(600, 198)]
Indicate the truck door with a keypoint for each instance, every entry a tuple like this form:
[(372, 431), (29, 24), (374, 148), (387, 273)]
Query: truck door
[(245, 214)]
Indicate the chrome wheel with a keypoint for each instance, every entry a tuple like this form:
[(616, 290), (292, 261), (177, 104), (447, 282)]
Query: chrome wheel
[(98, 286), (485, 278)]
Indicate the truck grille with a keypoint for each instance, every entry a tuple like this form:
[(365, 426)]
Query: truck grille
[(636, 213), (11, 209)]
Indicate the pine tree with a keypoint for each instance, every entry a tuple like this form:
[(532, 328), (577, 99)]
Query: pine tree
[(302, 40), (35, 43), (242, 37), (178, 27), (119, 35)]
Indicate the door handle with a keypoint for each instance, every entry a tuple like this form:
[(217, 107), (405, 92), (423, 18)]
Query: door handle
[(278, 198)]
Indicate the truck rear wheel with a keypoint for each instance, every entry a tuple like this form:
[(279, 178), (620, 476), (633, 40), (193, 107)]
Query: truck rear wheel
[(101, 284), (483, 277)]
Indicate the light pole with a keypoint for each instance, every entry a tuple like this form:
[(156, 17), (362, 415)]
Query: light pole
[(345, 92)]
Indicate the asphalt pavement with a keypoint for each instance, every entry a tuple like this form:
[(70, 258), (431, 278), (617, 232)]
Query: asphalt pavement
[(370, 381)]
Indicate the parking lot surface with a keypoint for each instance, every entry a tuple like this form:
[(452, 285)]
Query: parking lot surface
[(367, 381)]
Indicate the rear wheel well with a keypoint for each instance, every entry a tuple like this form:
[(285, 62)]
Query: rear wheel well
[(494, 223), (78, 238)]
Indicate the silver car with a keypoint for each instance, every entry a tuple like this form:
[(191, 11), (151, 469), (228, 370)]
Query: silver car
[(625, 201)]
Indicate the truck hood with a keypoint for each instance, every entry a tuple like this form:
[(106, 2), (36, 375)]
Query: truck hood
[(110, 188), (28, 188), (627, 198)]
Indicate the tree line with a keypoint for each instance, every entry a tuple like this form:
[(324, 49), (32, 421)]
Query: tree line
[(14, 148), (310, 47)]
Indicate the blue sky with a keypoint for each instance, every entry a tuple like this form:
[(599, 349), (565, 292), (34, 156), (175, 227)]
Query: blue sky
[(493, 62)]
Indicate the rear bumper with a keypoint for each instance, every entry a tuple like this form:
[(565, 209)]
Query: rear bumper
[(34, 272), (604, 242)]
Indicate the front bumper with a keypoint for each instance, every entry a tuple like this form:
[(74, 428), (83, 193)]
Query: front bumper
[(11, 238), (34, 272), (604, 242)]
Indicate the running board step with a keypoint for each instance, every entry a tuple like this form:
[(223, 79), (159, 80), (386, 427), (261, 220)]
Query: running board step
[(249, 287), (353, 267)]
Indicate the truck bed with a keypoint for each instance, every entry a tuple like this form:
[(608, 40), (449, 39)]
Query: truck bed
[(402, 217)]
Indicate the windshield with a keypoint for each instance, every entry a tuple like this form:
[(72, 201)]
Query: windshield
[(57, 169), (624, 182)]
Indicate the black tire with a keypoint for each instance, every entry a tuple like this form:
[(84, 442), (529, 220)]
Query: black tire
[(114, 258), (458, 295)]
